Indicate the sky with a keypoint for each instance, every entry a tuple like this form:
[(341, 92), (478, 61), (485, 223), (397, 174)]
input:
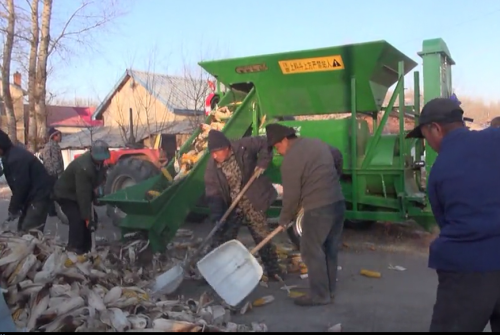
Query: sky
[(161, 35)]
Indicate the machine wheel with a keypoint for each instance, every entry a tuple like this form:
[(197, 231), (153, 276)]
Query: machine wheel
[(295, 231), (126, 173)]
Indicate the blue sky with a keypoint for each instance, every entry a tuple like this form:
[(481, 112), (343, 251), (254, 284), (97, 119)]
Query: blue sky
[(175, 30)]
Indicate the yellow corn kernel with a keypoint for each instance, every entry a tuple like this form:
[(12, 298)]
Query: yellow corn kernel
[(263, 301), (370, 274)]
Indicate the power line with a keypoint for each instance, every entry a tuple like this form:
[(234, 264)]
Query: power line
[(461, 23)]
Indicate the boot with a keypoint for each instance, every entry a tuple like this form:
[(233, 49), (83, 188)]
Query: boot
[(308, 301)]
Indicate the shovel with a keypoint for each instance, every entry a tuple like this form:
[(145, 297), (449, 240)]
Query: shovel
[(233, 271), (169, 281)]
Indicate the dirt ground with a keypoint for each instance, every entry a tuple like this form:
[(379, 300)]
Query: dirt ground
[(399, 301)]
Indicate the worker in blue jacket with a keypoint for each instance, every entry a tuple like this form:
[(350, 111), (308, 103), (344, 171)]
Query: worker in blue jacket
[(465, 200)]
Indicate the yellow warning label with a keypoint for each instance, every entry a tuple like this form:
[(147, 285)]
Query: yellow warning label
[(318, 64)]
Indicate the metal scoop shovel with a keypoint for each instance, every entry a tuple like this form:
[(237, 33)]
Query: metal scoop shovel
[(170, 280), (232, 270)]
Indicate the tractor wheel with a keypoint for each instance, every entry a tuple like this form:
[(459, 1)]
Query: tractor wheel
[(295, 231), (126, 173)]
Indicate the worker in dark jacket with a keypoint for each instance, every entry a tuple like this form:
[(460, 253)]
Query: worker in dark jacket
[(74, 191), (52, 160), (465, 200), (230, 167), (30, 185), (310, 180)]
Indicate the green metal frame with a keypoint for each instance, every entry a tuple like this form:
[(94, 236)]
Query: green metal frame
[(379, 180)]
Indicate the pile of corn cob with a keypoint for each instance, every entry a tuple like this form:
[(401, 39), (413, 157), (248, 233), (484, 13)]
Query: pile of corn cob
[(185, 163)]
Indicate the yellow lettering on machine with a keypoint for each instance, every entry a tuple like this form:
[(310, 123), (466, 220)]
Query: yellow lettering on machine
[(317, 64)]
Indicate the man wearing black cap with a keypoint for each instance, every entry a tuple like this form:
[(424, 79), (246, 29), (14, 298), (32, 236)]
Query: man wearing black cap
[(466, 204), (230, 167), (52, 160), (311, 181), (74, 191), (30, 185)]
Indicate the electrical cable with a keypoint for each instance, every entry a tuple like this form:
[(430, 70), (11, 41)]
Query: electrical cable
[(461, 23)]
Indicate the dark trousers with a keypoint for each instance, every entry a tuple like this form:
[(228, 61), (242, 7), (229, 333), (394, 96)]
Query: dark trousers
[(322, 230), (80, 236), (34, 216), (52, 207), (466, 302)]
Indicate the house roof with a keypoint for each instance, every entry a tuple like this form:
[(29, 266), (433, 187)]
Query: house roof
[(67, 116), (182, 96), (115, 138)]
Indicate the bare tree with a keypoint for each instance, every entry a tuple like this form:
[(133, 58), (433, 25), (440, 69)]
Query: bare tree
[(52, 37), (41, 72), (75, 102), (6, 63), (195, 90), (32, 87)]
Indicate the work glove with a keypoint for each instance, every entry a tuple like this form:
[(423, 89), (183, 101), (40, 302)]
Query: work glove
[(259, 171), (91, 225), (13, 216)]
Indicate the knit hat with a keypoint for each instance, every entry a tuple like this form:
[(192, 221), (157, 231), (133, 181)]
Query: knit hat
[(52, 131), (276, 133), (217, 140), (100, 150), (5, 142)]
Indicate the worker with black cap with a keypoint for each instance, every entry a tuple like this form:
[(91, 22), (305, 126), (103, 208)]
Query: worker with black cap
[(311, 181), (30, 185), (229, 168), (466, 204), (52, 159), (75, 193)]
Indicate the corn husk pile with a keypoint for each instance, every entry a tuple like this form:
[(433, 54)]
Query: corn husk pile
[(184, 164), (51, 290)]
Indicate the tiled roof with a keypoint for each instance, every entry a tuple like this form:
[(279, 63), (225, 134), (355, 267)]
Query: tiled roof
[(67, 116), (184, 96), (116, 139)]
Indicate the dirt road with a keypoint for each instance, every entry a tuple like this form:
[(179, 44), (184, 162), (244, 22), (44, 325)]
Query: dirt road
[(399, 301)]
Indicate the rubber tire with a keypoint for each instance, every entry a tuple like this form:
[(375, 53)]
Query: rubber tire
[(136, 169), (295, 235)]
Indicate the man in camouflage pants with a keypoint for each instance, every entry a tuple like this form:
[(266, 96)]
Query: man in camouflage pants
[(52, 160), (230, 167)]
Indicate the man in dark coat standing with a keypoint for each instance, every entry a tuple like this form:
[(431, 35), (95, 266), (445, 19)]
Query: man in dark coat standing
[(30, 185), (311, 181), (465, 201), (74, 191), (229, 168)]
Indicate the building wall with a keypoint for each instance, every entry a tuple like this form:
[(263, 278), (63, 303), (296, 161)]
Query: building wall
[(146, 110), (18, 100)]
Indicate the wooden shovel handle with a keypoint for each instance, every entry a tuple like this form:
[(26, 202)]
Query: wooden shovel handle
[(224, 218), (266, 240)]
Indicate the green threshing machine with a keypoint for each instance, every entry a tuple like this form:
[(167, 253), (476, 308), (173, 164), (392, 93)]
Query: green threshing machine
[(382, 178)]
